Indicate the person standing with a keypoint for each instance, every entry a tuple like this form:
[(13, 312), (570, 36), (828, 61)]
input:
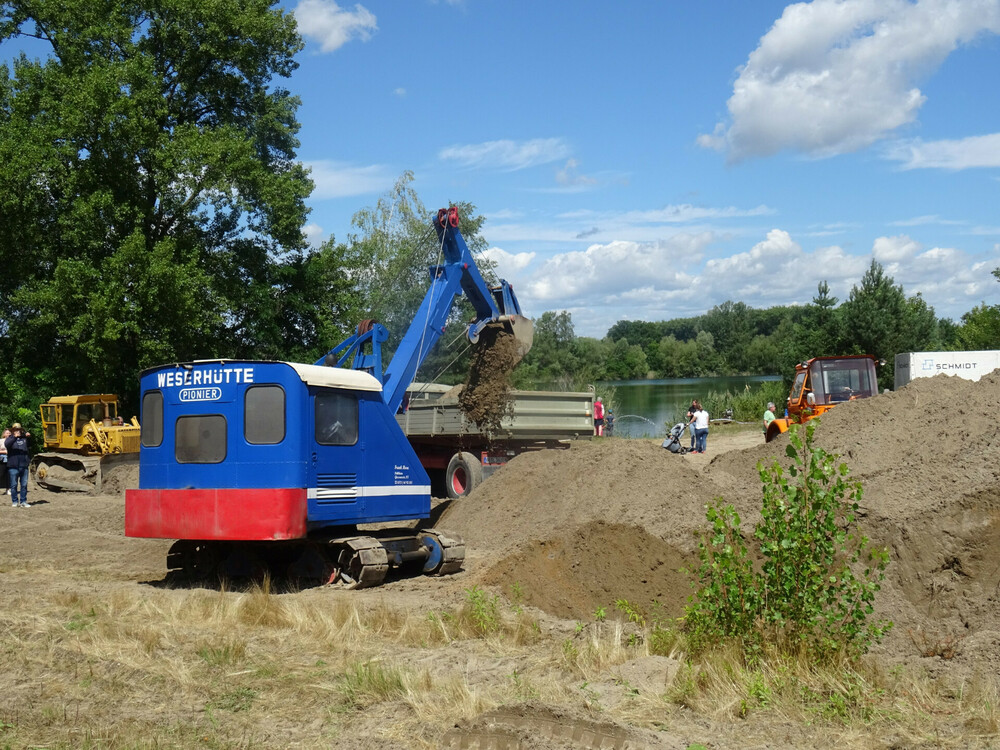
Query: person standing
[(4, 476), (768, 415), (700, 422), (690, 418), (17, 464), (599, 417)]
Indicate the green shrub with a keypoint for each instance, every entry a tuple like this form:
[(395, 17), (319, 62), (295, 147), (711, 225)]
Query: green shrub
[(749, 404), (814, 584)]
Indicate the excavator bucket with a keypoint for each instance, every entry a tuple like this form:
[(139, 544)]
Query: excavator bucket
[(522, 329), (504, 341)]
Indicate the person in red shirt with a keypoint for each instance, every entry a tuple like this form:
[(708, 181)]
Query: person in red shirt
[(599, 417)]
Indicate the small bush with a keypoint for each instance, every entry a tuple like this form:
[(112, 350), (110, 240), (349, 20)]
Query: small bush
[(749, 404), (370, 683), (817, 576)]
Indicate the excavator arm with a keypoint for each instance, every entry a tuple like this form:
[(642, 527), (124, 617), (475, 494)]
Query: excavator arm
[(458, 274)]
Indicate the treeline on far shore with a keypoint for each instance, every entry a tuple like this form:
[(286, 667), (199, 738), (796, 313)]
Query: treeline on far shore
[(877, 318)]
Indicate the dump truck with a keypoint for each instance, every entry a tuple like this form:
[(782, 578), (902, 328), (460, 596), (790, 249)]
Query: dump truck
[(823, 382), (260, 464), (458, 456), (83, 436)]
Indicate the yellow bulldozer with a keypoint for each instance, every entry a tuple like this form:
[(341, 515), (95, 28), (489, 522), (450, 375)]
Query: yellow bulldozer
[(83, 436)]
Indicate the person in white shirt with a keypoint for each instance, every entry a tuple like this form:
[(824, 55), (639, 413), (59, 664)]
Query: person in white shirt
[(700, 421)]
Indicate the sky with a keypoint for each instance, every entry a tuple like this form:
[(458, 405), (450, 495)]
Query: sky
[(648, 160)]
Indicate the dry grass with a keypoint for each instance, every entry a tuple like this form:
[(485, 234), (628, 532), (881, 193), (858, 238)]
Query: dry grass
[(140, 667)]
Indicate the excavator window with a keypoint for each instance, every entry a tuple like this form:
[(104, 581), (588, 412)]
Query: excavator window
[(264, 414), (67, 419), (152, 419), (200, 439), (336, 417)]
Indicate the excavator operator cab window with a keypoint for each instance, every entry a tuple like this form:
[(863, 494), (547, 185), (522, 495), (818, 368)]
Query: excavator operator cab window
[(336, 418), (67, 418)]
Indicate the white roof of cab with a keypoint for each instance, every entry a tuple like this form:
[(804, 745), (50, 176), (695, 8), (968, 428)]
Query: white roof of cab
[(336, 377)]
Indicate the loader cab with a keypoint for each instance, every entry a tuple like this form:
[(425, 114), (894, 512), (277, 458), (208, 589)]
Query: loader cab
[(823, 382)]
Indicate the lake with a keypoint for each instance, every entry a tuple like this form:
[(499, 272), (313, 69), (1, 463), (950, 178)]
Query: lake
[(645, 407)]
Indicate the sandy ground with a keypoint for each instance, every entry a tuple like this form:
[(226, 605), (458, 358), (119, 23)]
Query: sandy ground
[(576, 529)]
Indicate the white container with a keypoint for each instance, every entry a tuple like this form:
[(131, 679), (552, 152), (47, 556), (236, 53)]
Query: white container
[(968, 365)]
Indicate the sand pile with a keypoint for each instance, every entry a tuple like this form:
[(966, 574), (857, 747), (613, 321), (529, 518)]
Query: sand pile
[(617, 518)]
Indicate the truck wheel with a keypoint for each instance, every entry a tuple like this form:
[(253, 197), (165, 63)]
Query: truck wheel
[(464, 474)]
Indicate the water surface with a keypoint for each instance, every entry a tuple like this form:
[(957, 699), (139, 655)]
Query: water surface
[(646, 407)]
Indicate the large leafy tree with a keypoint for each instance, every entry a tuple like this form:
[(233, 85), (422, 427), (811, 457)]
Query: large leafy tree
[(152, 205), (879, 319), (388, 258)]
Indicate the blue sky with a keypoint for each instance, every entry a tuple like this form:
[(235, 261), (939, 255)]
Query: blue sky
[(648, 160)]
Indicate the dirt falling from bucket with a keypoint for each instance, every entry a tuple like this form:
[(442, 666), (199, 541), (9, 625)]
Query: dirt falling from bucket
[(486, 398)]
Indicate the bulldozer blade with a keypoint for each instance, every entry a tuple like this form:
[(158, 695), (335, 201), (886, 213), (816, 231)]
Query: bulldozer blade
[(64, 485)]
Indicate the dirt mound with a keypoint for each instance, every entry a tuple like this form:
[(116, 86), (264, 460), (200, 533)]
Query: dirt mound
[(618, 518), (594, 565), (921, 448), (119, 478), (539, 494)]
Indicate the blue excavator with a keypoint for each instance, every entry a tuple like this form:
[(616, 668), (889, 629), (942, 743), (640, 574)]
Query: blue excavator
[(250, 465)]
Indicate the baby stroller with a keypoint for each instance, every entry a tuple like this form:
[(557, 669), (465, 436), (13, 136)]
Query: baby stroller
[(673, 440)]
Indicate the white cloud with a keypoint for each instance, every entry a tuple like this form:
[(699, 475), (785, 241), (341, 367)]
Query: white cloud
[(338, 180), (684, 276), (506, 154), (400, 92), (613, 269), (835, 76), (778, 271), (966, 153), (919, 221), (509, 265), (332, 26), (569, 177), (314, 234), (606, 226), (894, 250)]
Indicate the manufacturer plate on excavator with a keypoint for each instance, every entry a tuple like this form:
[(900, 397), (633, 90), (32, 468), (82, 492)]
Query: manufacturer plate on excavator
[(199, 394)]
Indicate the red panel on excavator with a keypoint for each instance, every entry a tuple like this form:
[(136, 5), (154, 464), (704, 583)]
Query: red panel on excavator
[(235, 514)]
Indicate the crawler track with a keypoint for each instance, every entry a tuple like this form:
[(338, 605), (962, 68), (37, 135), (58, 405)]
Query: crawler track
[(357, 561)]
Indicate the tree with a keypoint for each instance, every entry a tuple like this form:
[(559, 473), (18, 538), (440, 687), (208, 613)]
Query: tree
[(878, 319), (388, 259), (626, 361), (732, 329), (980, 327), (152, 205)]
